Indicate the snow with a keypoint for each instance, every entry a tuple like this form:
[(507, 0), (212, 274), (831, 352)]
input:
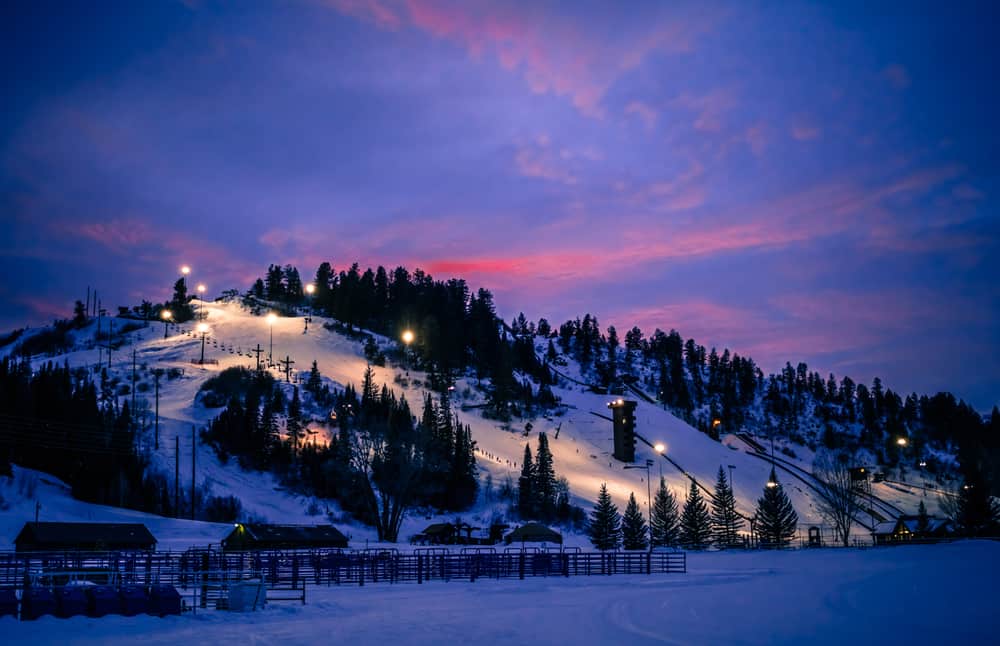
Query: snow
[(919, 594), (581, 452)]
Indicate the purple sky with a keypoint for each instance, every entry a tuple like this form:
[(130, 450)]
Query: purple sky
[(793, 181)]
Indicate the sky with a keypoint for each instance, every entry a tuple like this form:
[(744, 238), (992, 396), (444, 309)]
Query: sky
[(795, 181)]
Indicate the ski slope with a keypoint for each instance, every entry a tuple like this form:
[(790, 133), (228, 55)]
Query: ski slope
[(581, 451)]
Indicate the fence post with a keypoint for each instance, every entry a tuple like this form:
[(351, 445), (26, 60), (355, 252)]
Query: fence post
[(420, 568), (521, 565)]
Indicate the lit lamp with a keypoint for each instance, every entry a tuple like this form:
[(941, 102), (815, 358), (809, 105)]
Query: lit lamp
[(201, 297), (203, 328), (660, 448), (271, 318), (166, 315), (772, 480), (310, 289), (407, 338), (901, 441), (185, 270)]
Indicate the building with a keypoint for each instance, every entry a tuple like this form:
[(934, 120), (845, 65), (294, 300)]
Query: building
[(907, 528), (259, 536), (533, 533), (92, 537)]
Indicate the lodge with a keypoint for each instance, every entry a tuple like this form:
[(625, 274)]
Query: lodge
[(93, 537), (260, 536)]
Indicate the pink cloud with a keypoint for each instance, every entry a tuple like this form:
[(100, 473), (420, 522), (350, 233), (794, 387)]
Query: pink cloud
[(554, 54), (645, 112), (710, 109), (805, 132)]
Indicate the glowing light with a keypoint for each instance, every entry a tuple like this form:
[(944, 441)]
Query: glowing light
[(310, 289), (185, 270), (166, 315), (407, 337), (716, 422), (201, 288), (271, 318), (203, 327), (901, 441), (660, 447)]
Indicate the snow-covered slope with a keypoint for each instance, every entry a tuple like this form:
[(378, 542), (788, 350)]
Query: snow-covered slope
[(581, 451)]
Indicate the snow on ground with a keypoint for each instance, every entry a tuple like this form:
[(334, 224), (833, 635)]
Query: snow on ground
[(581, 452), (919, 594)]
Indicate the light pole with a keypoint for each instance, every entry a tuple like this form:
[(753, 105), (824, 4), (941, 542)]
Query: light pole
[(731, 467), (203, 328), (660, 448), (166, 315), (649, 504), (310, 290), (201, 299), (407, 339), (271, 318)]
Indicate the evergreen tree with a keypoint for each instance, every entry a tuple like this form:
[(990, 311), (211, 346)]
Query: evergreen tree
[(696, 523), (776, 519), (923, 521), (294, 424), (79, 314), (544, 485), (633, 526), (726, 523), (525, 486), (976, 512), (664, 526), (604, 528), (314, 383)]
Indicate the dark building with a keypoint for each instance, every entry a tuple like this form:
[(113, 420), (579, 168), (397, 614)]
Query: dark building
[(94, 537), (257, 536), (623, 416), (533, 533)]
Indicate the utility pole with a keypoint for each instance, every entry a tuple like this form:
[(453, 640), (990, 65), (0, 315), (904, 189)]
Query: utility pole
[(193, 453), (111, 331), (177, 476), (88, 301), (100, 352), (156, 422), (287, 361), (258, 350)]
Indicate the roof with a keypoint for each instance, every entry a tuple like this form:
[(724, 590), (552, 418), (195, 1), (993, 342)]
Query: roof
[(84, 536), (261, 534), (533, 532), (438, 529)]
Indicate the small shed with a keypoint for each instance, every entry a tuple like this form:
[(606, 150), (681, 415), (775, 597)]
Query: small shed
[(260, 536), (436, 534), (533, 533), (94, 537)]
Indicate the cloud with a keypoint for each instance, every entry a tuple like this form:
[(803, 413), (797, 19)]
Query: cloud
[(555, 53), (897, 76), (645, 112), (710, 109)]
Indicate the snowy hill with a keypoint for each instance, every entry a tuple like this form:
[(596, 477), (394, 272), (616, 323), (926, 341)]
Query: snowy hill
[(580, 438)]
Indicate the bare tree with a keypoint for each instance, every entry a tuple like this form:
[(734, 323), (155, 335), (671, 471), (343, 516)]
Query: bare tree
[(840, 495), (386, 470)]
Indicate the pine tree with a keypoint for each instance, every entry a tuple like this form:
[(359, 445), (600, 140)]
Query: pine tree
[(544, 485), (294, 424), (633, 526), (726, 523), (696, 523), (776, 519), (923, 521), (976, 513), (664, 526), (525, 486), (604, 528), (314, 383)]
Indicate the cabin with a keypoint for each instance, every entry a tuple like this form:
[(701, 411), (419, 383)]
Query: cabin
[(90, 537), (533, 533), (260, 536), (907, 528), (457, 534)]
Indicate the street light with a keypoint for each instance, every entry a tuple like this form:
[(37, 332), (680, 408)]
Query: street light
[(407, 337), (271, 318), (166, 315), (901, 441), (203, 328), (185, 270), (310, 289), (660, 448), (201, 298)]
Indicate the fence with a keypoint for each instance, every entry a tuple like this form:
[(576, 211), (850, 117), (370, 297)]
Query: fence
[(211, 571)]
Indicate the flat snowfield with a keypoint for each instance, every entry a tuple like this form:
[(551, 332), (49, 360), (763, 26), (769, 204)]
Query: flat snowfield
[(910, 595)]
